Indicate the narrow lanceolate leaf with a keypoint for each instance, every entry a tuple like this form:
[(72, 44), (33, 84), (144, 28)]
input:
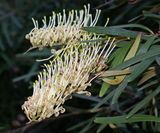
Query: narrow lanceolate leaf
[(145, 47), (119, 91), (148, 75), (104, 100), (134, 26), (115, 73), (132, 52), (151, 15), (118, 56), (148, 85), (134, 47), (101, 128), (120, 53), (138, 58), (104, 89), (115, 81), (115, 31), (78, 125), (140, 68), (123, 119), (144, 102)]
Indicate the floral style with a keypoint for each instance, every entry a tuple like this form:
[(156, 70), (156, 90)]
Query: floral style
[(63, 28), (71, 72)]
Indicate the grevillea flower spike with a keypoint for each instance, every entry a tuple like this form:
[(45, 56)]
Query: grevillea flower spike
[(63, 28), (71, 73)]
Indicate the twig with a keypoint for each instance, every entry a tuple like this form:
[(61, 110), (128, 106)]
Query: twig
[(27, 127)]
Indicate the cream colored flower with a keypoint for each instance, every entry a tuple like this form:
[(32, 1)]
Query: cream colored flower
[(63, 28), (69, 73)]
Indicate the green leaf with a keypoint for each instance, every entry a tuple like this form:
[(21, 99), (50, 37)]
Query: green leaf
[(101, 128), (120, 54), (119, 91), (145, 101), (104, 89), (151, 53), (134, 26), (31, 71), (123, 119), (78, 125), (148, 85), (151, 15), (146, 46), (88, 126), (114, 31), (105, 99), (25, 76), (138, 69), (156, 41), (45, 52)]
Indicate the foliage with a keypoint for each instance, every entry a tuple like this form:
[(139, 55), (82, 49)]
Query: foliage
[(125, 101)]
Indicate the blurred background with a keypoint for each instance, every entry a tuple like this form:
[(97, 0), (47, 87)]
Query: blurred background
[(18, 70)]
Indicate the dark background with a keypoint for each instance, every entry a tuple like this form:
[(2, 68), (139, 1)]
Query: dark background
[(17, 71)]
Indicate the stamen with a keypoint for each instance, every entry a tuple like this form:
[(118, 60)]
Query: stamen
[(63, 29)]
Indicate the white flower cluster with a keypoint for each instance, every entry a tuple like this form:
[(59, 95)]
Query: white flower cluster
[(70, 73), (63, 28), (73, 69)]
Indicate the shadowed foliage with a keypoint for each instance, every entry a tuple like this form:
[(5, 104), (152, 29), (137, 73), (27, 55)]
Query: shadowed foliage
[(124, 99)]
